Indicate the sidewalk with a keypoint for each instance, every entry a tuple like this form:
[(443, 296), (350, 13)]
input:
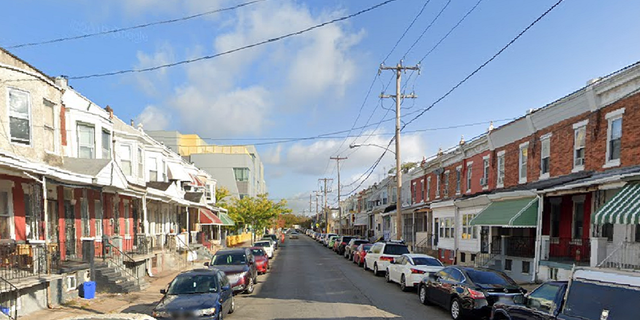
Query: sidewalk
[(104, 303)]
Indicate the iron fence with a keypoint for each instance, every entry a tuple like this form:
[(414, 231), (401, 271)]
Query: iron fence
[(625, 256), (570, 249), (19, 261)]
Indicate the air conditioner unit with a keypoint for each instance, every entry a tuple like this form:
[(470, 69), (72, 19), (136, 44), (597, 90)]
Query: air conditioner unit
[(579, 162), (483, 181)]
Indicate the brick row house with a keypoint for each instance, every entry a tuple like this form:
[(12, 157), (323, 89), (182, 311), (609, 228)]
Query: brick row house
[(78, 185), (555, 188)]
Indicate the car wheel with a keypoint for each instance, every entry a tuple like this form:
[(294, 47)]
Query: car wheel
[(346, 255), (455, 309), (250, 287), (422, 295), (387, 276), (233, 305), (375, 269), (403, 283), (364, 263)]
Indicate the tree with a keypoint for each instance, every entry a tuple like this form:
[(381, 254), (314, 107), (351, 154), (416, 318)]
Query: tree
[(259, 212), (221, 196), (405, 167)]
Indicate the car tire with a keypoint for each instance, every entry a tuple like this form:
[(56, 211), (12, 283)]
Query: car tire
[(250, 287), (364, 263), (422, 295), (376, 272), (455, 309), (233, 305), (403, 283), (387, 276)]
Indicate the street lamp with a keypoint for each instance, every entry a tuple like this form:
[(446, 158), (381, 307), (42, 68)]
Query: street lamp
[(353, 146)]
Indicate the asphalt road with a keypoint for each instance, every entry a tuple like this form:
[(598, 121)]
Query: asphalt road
[(309, 281)]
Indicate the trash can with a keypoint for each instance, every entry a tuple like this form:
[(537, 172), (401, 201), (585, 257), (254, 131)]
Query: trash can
[(88, 290)]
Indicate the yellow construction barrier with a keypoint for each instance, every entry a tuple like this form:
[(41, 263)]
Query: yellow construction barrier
[(238, 239)]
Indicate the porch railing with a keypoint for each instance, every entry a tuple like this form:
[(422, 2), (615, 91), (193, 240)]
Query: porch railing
[(8, 299), (520, 246), (569, 249), (425, 246), (118, 260), (625, 256), (19, 261)]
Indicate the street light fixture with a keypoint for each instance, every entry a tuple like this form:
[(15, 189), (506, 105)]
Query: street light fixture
[(353, 146)]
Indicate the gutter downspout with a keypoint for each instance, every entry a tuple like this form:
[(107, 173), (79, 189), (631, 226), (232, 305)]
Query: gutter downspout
[(538, 249)]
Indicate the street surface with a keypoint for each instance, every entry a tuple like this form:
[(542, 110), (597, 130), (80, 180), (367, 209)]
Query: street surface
[(309, 281)]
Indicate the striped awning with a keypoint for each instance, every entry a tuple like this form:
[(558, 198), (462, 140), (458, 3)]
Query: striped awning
[(207, 217), (226, 219), (521, 213), (623, 208)]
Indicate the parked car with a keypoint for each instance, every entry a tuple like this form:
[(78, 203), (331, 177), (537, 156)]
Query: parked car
[(267, 245), (342, 243), (351, 247), (110, 316), (331, 242), (200, 293), (261, 258), (592, 294), (466, 291), (239, 265), (274, 238), (327, 237), (293, 235), (409, 269), (360, 253), (382, 254)]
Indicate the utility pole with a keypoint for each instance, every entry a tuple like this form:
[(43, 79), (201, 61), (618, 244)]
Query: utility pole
[(317, 213), (325, 209), (337, 159), (398, 97)]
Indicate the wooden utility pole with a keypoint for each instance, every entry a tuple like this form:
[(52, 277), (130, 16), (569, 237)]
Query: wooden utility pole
[(325, 209), (398, 97), (339, 207)]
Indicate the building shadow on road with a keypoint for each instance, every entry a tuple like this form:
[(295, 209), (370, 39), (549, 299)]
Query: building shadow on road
[(144, 308)]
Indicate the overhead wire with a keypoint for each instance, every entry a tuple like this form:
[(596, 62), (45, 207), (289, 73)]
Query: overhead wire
[(426, 29)]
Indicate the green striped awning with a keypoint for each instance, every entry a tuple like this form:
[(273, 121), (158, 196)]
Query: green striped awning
[(623, 208), (226, 220), (521, 213)]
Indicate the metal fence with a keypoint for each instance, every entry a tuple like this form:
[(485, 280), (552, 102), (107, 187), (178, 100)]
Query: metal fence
[(570, 249), (520, 246), (625, 256), (22, 261)]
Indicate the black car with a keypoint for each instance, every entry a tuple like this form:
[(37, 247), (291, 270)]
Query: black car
[(342, 243), (467, 291), (200, 293), (239, 265), (543, 303)]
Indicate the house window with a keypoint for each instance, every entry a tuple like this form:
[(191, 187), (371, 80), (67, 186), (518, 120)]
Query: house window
[(545, 155), (414, 193), (97, 204), (555, 219), (446, 183), (84, 214), (31, 220), (607, 231), (86, 141), (72, 283), (428, 188), (468, 231), (500, 169), (484, 181), (447, 228), (437, 186), (469, 175), (526, 267), (424, 190), (463, 257), (127, 223), (125, 159), (242, 174), (524, 148), (614, 137), (508, 264), (153, 169), (140, 163), (6, 217), (579, 142), (578, 218), (106, 144), (49, 126), (458, 178), (385, 199), (19, 117)]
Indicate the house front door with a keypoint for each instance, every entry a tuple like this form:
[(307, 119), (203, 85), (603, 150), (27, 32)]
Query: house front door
[(70, 229)]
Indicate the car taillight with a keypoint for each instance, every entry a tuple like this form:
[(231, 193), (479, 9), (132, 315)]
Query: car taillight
[(476, 294), (344, 243), (383, 258), (417, 271)]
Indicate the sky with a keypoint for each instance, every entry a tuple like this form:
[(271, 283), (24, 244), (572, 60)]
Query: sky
[(325, 80)]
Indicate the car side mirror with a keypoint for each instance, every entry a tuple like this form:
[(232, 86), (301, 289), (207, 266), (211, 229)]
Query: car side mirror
[(163, 291), (206, 264)]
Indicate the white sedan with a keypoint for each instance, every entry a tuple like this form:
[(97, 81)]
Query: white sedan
[(267, 246), (409, 269)]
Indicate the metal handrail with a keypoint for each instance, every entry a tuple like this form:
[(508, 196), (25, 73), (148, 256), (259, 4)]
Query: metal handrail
[(15, 301), (187, 246), (119, 263)]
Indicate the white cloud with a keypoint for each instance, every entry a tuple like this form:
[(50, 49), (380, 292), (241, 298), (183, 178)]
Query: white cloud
[(153, 118), (155, 82)]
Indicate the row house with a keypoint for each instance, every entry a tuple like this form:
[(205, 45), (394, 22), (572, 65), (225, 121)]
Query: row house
[(77, 184), (550, 190)]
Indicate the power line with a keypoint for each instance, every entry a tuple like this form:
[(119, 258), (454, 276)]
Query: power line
[(406, 30), (426, 29), (145, 25), (188, 61)]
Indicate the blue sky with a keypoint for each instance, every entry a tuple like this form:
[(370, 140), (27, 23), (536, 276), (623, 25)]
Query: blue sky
[(316, 83)]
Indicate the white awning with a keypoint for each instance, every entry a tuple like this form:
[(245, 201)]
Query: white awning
[(176, 172), (361, 219)]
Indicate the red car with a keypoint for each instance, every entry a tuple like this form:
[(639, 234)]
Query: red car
[(360, 253), (262, 260)]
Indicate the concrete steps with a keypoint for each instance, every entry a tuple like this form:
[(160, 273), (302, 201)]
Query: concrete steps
[(110, 279)]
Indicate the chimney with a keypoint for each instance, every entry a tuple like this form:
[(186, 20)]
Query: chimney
[(140, 127), (592, 81), (491, 126), (132, 124), (108, 108), (462, 142), (62, 81), (440, 152)]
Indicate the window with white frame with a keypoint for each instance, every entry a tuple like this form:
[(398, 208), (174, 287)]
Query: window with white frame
[(614, 137), (500, 180), (446, 183), (152, 164), (31, 217), (447, 228), (578, 220), (97, 205), (19, 116), (424, 189), (6, 216), (428, 188), (125, 159), (522, 166), (468, 231), (579, 143), (140, 163), (414, 193), (484, 181), (86, 141), (106, 144), (49, 126), (469, 175), (438, 185), (385, 199), (545, 155), (458, 179)]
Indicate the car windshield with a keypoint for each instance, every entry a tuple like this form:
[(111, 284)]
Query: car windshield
[(346, 239), (366, 247), (395, 249), (262, 244), (258, 252), (587, 300), (489, 278), (190, 284), (359, 242), (424, 261), (229, 259)]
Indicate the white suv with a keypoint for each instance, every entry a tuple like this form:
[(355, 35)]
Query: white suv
[(382, 254)]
